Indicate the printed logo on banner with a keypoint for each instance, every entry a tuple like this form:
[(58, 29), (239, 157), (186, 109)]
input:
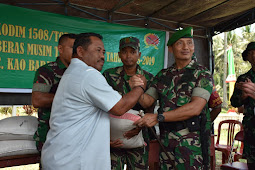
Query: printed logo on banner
[(151, 39)]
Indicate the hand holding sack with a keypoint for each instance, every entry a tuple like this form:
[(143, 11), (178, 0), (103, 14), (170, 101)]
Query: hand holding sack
[(122, 124)]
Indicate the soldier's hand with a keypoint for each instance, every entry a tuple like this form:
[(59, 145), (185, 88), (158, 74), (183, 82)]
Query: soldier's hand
[(244, 95), (142, 77), (148, 120), (116, 143), (248, 89), (132, 133), (239, 85), (135, 81)]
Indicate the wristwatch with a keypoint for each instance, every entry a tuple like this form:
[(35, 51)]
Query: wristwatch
[(161, 117)]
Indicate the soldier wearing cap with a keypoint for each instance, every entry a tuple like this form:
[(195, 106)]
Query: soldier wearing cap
[(244, 94), (118, 78), (183, 91)]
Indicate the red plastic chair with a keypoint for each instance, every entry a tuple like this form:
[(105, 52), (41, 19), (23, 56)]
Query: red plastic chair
[(236, 165), (239, 154), (226, 148)]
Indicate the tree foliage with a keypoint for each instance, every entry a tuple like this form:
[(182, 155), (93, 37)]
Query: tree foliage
[(238, 43), (6, 110)]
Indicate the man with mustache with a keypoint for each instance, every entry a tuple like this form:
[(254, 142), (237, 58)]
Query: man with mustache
[(183, 91), (79, 137)]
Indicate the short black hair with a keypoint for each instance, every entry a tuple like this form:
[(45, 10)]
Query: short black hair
[(244, 55), (83, 39), (250, 46), (64, 37)]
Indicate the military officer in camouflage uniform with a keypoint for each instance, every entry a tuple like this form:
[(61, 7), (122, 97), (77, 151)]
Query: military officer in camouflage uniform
[(118, 78), (45, 85), (244, 94), (183, 91)]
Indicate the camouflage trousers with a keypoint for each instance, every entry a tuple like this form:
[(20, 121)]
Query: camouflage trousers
[(39, 145), (249, 152), (135, 159), (184, 148)]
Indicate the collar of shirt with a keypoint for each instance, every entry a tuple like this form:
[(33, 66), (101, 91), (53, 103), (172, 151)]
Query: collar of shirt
[(192, 65), (60, 63), (122, 72)]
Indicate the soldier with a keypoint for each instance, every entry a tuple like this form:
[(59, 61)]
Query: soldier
[(183, 91), (118, 77), (244, 96), (45, 85)]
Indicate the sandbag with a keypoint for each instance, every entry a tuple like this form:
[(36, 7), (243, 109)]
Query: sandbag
[(121, 124), (18, 128), (17, 147)]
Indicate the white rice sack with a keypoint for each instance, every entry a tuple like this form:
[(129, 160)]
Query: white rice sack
[(121, 124), (17, 147), (18, 128)]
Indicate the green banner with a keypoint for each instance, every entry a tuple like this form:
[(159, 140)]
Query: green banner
[(29, 38), (231, 66)]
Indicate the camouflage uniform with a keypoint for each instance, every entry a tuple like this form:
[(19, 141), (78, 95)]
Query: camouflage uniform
[(136, 158), (46, 80), (214, 100), (249, 117), (183, 140)]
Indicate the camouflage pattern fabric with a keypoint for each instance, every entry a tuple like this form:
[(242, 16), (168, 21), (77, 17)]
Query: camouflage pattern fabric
[(174, 88), (183, 156), (130, 42), (249, 117), (46, 80), (136, 159), (214, 100), (118, 79)]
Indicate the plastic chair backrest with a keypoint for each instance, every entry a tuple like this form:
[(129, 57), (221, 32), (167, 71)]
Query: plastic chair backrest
[(231, 130), (238, 137)]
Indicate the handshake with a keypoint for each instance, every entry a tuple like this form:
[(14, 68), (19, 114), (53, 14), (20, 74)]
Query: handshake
[(138, 80)]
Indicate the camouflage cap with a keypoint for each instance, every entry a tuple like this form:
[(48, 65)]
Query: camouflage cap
[(130, 42), (250, 46), (184, 33)]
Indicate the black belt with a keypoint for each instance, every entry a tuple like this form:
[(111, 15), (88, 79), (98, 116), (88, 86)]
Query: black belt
[(173, 126)]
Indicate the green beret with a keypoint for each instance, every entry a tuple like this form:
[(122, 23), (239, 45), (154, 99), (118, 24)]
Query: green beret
[(250, 46), (184, 33)]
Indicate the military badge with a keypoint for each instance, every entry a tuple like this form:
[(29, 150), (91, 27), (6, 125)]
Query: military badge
[(151, 39)]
